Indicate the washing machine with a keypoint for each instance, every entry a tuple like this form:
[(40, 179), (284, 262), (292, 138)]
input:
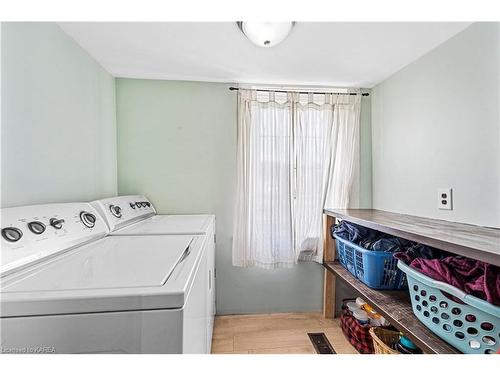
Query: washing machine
[(69, 287), (135, 215)]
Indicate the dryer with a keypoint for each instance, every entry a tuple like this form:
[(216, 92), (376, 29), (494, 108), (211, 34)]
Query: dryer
[(135, 215), (67, 287)]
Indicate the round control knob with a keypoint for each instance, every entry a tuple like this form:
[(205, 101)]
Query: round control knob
[(36, 227), (147, 204), (87, 219), (12, 234), (132, 205), (56, 223), (116, 211), (138, 204)]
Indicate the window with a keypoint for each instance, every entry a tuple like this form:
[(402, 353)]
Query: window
[(287, 148)]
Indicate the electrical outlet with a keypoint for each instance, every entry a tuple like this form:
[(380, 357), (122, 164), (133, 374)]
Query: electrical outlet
[(445, 199)]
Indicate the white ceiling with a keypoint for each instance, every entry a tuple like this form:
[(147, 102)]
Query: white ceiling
[(328, 54)]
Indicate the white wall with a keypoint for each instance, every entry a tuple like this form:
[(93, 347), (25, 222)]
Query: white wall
[(436, 124), (58, 119)]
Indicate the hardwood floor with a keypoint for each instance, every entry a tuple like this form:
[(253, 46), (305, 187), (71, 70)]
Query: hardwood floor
[(275, 334)]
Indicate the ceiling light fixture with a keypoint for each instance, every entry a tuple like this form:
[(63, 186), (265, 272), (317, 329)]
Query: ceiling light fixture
[(266, 34)]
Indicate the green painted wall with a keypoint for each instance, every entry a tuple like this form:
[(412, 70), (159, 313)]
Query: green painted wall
[(58, 119), (177, 145)]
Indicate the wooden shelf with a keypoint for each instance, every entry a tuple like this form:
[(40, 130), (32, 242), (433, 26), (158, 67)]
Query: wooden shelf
[(462, 239), (395, 306), (472, 241)]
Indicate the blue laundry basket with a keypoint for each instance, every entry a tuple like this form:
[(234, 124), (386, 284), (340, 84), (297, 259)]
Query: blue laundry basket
[(377, 269), (472, 326)]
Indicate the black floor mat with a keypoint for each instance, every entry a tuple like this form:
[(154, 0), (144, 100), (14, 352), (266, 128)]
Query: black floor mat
[(321, 343)]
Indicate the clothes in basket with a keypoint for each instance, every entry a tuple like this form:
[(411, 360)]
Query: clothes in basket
[(479, 279), (374, 240)]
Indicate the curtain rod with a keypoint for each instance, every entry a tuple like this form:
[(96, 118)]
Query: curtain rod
[(300, 92)]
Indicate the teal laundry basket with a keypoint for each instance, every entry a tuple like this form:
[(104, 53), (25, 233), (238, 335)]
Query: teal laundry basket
[(472, 327)]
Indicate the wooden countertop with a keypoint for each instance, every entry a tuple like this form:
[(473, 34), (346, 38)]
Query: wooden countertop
[(472, 241)]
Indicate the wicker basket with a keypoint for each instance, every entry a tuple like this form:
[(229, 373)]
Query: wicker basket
[(384, 340)]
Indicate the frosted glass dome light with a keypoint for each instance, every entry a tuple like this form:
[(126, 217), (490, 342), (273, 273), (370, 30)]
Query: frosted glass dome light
[(266, 34)]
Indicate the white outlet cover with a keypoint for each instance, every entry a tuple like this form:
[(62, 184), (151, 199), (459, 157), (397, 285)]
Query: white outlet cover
[(445, 199)]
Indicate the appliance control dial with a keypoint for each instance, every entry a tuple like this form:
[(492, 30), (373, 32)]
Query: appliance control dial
[(116, 211), (36, 227), (132, 205), (87, 219), (138, 204), (56, 223), (12, 234), (147, 204)]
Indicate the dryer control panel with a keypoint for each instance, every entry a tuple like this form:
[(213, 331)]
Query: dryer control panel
[(124, 210), (31, 233)]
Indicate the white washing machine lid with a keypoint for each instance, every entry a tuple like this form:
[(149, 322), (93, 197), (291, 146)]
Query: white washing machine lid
[(112, 274), (169, 224)]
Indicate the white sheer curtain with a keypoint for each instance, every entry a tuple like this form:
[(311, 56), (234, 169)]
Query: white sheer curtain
[(289, 165), (263, 232), (314, 138), (327, 149)]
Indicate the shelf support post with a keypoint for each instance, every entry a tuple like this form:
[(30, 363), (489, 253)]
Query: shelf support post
[(329, 280)]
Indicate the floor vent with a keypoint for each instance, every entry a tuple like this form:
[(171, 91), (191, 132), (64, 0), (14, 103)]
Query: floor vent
[(321, 343)]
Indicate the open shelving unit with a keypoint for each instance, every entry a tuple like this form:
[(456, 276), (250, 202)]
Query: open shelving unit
[(463, 239)]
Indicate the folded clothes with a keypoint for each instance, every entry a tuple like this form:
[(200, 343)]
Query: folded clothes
[(479, 279)]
